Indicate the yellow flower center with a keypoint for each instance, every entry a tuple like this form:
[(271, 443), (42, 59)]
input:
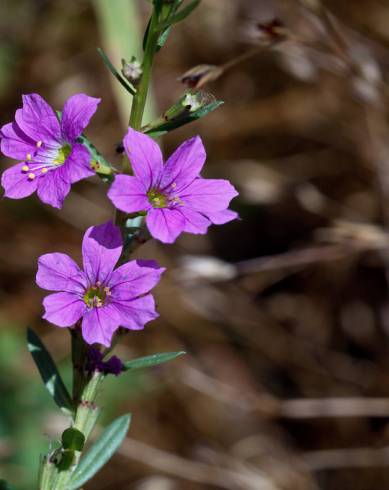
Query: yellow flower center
[(63, 153), (96, 295)]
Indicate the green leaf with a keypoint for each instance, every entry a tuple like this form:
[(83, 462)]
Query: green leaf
[(146, 34), (101, 451), (179, 16), (49, 372), (163, 37), (73, 439), (125, 83), (167, 126), (153, 360), (99, 164)]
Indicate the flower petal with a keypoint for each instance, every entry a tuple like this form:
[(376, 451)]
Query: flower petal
[(134, 278), (59, 272), (14, 143), (165, 224), (221, 217), (76, 114), (77, 164), (99, 324), (136, 313), (128, 194), (208, 194), (101, 249), (195, 222), (16, 184), (38, 120), (145, 157), (54, 187), (184, 165), (63, 309)]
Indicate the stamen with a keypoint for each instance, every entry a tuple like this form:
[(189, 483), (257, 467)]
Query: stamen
[(28, 157), (98, 284), (176, 200), (25, 168), (39, 144), (44, 170), (31, 176), (174, 185)]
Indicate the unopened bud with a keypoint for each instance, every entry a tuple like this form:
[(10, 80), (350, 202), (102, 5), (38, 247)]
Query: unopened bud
[(131, 70)]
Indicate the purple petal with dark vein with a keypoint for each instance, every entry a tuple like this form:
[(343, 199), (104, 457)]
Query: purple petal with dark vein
[(101, 248), (15, 143), (63, 309), (184, 165), (128, 194), (38, 120), (54, 187), (59, 272), (195, 222), (145, 158), (76, 114), (16, 184), (133, 279), (208, 194), (165, 224), (136, 313), (222, 217), (99, 324), (77, 164)]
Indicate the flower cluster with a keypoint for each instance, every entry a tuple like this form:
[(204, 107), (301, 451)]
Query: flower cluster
[(174, 197)]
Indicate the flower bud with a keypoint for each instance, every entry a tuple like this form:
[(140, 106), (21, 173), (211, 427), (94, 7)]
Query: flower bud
[(131, 70)]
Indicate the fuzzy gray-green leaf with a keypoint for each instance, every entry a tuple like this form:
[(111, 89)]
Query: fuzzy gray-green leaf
[(153, 360), (101, 451)]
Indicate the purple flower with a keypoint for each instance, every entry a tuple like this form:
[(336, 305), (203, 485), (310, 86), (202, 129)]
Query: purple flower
[(173, 194), (51, 158), (104, 298)]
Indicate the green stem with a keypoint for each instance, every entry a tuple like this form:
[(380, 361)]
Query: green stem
[(85, 418), (139, 100)]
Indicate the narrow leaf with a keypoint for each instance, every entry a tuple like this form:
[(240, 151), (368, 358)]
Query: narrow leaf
[(49, 372), (163, 37), (146, 34), (179, 16), (167, 126), (99, 164), (130, 88), (153, 360), (101, 451)]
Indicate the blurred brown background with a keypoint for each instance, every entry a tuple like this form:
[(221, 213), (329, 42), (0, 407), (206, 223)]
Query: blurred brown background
[(284, 314)]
